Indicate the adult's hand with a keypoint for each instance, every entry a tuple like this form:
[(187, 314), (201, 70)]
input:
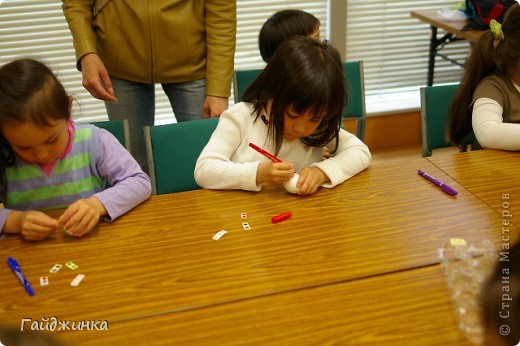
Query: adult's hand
[(96, 79), (214, 106)]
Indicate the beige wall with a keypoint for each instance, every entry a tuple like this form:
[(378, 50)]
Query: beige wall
[(391, 131)]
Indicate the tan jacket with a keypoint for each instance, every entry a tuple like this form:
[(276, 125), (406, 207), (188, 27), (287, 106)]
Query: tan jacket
[(159, 41)]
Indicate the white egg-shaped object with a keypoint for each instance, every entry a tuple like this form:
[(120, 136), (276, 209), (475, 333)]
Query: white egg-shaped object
[(290, 185)]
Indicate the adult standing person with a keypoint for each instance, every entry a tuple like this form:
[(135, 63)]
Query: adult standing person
[(124, 47)]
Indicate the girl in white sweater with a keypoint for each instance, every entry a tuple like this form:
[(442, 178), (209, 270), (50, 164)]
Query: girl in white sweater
[(293, 109)]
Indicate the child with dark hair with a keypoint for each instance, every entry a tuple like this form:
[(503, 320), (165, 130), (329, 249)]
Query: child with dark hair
[(487, 101), (284, 24), (293, 109), (48, 162)]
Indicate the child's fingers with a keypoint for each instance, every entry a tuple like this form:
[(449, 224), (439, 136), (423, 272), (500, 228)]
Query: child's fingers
[(310, 180), (304, 184), (64, 219), (83, 227), (274, 172), (81, 221), (284, 170), (73, 224), (73, 215), (36, 231), (41, 219), (89, 207), (284, 166), (309, 187)]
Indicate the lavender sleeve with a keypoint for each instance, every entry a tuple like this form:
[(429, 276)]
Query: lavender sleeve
[(3, 217), (130, 185)]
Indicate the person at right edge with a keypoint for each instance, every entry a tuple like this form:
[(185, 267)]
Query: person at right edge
[(124, 47), (487, 101)]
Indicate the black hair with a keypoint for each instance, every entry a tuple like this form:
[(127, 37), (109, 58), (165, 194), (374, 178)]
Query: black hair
[(307, 75), (284, 24)]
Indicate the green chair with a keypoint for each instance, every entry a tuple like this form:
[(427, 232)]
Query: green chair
[(355, 109), (435, 103), (172, 152), (119, 128), (241, 79), (353, 73)]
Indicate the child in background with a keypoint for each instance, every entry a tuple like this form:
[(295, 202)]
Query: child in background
[(501, 301), (293, 109), (488, 98), (48, 162), (283, 24)]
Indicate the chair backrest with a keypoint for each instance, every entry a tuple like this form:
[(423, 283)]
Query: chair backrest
[(435, 103), (241, 79), (119, 128), (172, 152), (353, 73), (354, 76)]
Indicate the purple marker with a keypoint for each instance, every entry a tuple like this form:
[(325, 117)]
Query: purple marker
[(444, 187)]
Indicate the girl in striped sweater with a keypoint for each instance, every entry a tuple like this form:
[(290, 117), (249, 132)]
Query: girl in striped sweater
[(48, 162)]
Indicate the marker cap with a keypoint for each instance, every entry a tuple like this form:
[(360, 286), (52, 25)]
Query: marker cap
[(449, 190), (281, 217)]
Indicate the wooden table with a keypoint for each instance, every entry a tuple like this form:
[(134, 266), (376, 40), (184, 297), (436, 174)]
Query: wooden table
[(455, 31), (491, 175), (159, 264), (403, 308)]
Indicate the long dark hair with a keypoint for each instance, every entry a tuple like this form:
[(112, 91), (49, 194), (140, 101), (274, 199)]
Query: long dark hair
[(29, 92), (307, 75), (486, 57)]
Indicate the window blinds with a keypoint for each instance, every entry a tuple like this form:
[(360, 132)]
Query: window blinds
[(393, 46), (38, 29)]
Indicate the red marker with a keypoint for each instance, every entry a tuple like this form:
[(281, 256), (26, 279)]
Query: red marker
[(265, 153), (281, 217)]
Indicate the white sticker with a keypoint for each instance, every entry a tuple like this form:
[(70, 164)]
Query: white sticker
[(219, 234), (44, 281), (77, 280), (56, 268)]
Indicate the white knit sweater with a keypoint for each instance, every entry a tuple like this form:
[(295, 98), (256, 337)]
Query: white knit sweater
[(227, 161)]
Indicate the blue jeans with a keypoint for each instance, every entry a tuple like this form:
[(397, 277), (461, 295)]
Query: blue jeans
[(137, 104)]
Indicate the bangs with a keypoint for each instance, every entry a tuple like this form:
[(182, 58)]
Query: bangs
[(320, 108), (312, 80), (319, 97)]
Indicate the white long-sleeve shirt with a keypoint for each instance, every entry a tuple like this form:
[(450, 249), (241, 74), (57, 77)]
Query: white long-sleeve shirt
[(227, 161), (491, 131)]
